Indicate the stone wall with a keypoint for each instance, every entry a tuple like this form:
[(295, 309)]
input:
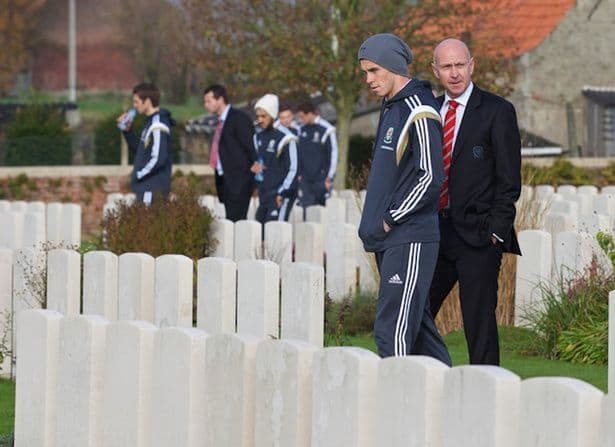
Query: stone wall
[(577, 53)]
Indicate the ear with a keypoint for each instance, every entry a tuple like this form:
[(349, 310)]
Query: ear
[(471, 66), (435, 70)]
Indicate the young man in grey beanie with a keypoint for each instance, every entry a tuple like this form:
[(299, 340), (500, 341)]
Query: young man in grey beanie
[(399, 221)]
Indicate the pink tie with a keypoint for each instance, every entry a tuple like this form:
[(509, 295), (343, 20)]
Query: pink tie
[(215, 145), (447, 150)]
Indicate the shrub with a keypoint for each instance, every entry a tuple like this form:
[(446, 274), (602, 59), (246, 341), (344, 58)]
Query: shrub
[(168, 226), (37, 135), (352, 316), (560, 172), (571, 320)]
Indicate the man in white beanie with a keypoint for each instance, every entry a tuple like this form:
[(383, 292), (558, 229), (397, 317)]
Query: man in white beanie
[(277, 158)]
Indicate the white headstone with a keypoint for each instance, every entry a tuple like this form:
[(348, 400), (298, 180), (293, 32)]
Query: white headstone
[(80, 375), (567, 190), (179, 388), (608, 416), (309, 243), (574, 254), (54, 222), (6, 294), (230, 380), (64, 281), (19, 206), (584, 202), (5, 206), (482, 407), (283, 393), (593, 223), (341, 261), (130, 198), (608, 190), (604, 204), (114, 197), (316, 213), (248, 236), (216, 295), (29, 284), (611, 369), (410, 393), (344, 397), (71, 224), (12, 224), (100, 287), (173, 291), (559, 412), (37, 361), (565, 206), (533, 271), (589, 190), (136, 287), (37, 207), (34, 230), (336, 211), (368, 270), (556, 222), (303, 303), (258, 298), (207, 201), (224, 233), (278, 242), (127, 384), (544, 192)]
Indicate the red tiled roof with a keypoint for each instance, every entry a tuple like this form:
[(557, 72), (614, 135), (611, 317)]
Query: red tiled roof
[(524, 23)]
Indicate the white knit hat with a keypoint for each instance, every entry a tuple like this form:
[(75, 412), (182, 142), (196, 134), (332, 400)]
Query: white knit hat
[(269, 103)]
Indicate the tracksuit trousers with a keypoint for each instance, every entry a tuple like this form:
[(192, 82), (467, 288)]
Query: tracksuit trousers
[(404, 324)]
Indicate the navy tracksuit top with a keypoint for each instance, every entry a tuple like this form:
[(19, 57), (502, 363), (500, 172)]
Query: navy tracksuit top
[(406, 174), (318, 151), (278, 150)]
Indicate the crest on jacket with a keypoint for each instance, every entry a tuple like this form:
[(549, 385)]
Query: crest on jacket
[(388, 137)]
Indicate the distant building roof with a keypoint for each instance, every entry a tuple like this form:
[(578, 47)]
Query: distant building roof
[(525, 22)]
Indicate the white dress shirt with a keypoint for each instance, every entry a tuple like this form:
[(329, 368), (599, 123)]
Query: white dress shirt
[(222, 118), (462, 100)]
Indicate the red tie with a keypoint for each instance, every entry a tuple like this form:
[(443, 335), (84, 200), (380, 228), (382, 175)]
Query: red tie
[(447, 150), (215, 144)]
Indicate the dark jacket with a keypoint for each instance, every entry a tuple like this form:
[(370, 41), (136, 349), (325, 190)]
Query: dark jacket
[(485, 175), (278, 151), (318, 151), (152, 154), (237, 155), (406, 174)]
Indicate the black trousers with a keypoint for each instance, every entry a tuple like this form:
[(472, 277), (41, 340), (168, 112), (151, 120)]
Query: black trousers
[(404, 324), (477, 271)]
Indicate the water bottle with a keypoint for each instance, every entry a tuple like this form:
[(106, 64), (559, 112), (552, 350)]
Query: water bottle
[(259, 177), (124, 123)]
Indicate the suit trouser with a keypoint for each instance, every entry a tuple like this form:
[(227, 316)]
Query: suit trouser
[(237, 207), (269, 211), (476, 269), (404, 324)]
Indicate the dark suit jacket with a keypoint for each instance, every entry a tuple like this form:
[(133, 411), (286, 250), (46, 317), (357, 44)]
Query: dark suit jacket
[(485, 175), (237, 154)]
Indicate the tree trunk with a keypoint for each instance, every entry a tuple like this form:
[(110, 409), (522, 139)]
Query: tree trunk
[(345, 111)]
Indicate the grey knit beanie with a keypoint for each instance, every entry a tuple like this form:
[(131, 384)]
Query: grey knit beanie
[(388, 51)]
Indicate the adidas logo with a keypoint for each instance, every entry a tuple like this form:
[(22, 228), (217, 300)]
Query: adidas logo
[(395, 279)]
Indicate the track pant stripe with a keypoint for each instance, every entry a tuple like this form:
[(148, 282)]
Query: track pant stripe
[(404, 331), (282, 212), (411, 273)]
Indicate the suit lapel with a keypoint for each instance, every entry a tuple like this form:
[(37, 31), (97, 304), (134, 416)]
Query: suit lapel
[(467, 122)]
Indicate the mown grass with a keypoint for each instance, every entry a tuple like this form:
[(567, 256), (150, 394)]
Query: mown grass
[(7, 405)]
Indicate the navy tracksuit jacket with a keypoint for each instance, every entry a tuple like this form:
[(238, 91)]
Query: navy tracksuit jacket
[(278, 150), (403, 190), (152, 155), (318, 155)]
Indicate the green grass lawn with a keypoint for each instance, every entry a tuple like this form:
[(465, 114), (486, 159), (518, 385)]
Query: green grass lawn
[(524, 366), (7, 405)]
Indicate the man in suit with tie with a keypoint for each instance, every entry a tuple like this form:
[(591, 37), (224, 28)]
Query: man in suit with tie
[(232, 153), (482, 182)]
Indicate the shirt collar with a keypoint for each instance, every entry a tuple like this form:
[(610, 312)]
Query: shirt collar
[(463, 98), (225, 113)]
